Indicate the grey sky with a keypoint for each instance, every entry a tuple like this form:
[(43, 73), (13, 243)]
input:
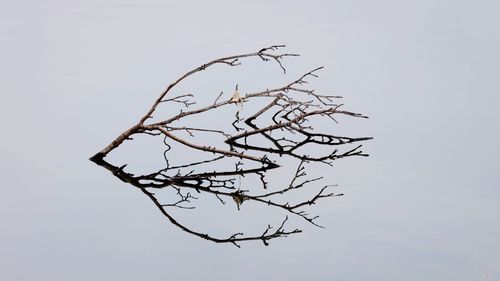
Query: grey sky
[(423, 206)]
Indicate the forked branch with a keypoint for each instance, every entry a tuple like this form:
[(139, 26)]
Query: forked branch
[(286, 122)]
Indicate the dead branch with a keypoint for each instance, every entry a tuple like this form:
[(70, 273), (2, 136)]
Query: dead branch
[(286, 121)]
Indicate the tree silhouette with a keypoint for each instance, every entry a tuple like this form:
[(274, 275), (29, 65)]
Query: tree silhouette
[(284, 117)]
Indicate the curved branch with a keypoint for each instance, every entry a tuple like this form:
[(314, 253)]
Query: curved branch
[(291, 107)]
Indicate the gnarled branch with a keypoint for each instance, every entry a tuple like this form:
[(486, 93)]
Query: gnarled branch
[(286, 121)]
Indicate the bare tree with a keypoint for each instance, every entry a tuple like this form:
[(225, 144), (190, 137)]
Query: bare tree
[(285, 121)]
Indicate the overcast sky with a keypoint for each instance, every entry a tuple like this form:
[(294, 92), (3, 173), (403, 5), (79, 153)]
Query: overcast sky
[(424, 206)]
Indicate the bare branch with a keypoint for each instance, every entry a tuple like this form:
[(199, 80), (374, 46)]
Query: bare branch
[(179, 99), (285, 117)]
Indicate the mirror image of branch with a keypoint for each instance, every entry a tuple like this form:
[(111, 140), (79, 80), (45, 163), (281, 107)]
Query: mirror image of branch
[(285, 122)]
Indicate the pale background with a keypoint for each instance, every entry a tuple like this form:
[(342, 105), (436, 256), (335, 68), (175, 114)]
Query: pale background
[(424, 206)]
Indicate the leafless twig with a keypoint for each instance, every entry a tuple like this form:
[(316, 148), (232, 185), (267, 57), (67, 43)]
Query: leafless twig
[(286, 122)]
